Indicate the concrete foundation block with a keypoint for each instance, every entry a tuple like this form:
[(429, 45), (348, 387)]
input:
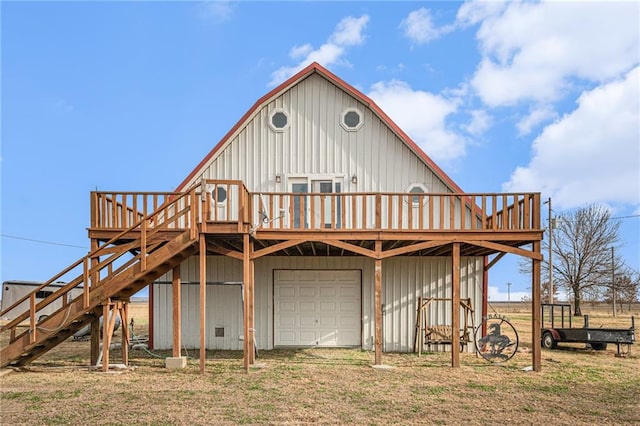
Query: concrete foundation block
[(176, 362)]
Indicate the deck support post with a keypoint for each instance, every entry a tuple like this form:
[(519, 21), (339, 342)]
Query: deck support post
[(455, 306), (536, 311), (95, 339), (177, 311), (246, 274), (250, 306), (203, 303), (108, 324), (378, 304), (123, 310)]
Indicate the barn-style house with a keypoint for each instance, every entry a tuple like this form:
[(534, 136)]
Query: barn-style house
[(315, 221)]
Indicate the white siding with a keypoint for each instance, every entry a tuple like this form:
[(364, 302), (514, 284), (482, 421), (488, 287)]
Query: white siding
[(404, 280), (315, 143)]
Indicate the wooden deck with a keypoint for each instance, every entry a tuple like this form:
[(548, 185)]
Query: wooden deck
[(335, 224), (138, 236)]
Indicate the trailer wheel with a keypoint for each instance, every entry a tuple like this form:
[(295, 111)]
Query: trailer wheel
[(598, 346), (548, 342)]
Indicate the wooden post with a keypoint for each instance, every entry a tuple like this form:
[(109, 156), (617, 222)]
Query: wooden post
[(124, 324), (246, 267), (95, 324), (378, 304), (203, 303), (252, 329), (536, 311), (177, 312), (455, 306), (106, 337)]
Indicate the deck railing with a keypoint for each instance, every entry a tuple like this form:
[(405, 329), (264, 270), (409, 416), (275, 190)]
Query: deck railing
[(394, 211), (229, 202)]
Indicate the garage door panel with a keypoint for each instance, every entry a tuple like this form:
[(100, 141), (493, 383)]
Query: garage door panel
[(326, 307), (321, 308), (307, 321), (327, 292), (287, 291), (307, 306), (307, 291), (287, 321), (286, 306)]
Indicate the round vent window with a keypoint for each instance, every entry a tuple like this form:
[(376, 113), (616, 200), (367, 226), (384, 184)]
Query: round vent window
[(351, 119), (279, 120), (219, 194)]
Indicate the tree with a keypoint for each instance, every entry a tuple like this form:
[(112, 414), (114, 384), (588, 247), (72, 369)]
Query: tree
[(627, 289), (582, 248), (582, 243)]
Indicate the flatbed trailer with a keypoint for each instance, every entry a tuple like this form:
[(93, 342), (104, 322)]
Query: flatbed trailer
[(560, 330)]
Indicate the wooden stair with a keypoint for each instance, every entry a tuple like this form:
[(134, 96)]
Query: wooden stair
[(112, 272)]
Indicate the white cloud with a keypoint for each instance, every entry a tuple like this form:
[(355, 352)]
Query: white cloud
[(348, 32), (418, 26), (480, 122), (496, 295), (472, 12), (536, 116), (591, 155), (531, 51), (218, 10), (422, 115)]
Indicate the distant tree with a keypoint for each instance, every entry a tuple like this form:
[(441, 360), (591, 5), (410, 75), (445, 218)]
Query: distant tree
[(582, 243), (627, 289)]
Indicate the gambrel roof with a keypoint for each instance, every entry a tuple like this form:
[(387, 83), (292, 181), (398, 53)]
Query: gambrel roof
[(328, 75)]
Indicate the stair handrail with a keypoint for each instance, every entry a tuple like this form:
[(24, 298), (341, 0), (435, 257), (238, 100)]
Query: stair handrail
[(95, 253)]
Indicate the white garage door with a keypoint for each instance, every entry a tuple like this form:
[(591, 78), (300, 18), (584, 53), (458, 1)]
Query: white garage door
[(317, 308)]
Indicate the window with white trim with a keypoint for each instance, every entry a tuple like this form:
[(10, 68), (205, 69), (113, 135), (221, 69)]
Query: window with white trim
[(351, 119), (279, 120)]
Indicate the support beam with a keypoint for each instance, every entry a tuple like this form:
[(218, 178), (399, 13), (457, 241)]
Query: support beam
[(203, 303), (274, 248), (225, 251), (123, 309), (455, 307), (353, 248), (536, 312), (108, 323), (506, 249), (246, 274), (177, 311), (95, 339), (494, 260), (251, 304), (411, 248), (95, 324), (378, 305)]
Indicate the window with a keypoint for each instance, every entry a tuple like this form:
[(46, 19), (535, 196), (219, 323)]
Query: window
[(43, 294), (417, 188), (351, 119), (219, 194), (317, 190), (279, 120)]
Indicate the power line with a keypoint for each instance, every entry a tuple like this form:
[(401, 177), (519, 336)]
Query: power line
[(43, 241), (625, 217)]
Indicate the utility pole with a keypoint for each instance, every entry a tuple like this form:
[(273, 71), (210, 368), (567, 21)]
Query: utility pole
[(613, 282), (509, 295), (551, 224)]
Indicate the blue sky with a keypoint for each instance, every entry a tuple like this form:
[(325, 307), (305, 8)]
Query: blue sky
[(129, 96)]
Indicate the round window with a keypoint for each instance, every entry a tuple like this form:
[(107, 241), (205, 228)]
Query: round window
[(219, 194), (279, 120), (351, 119)]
